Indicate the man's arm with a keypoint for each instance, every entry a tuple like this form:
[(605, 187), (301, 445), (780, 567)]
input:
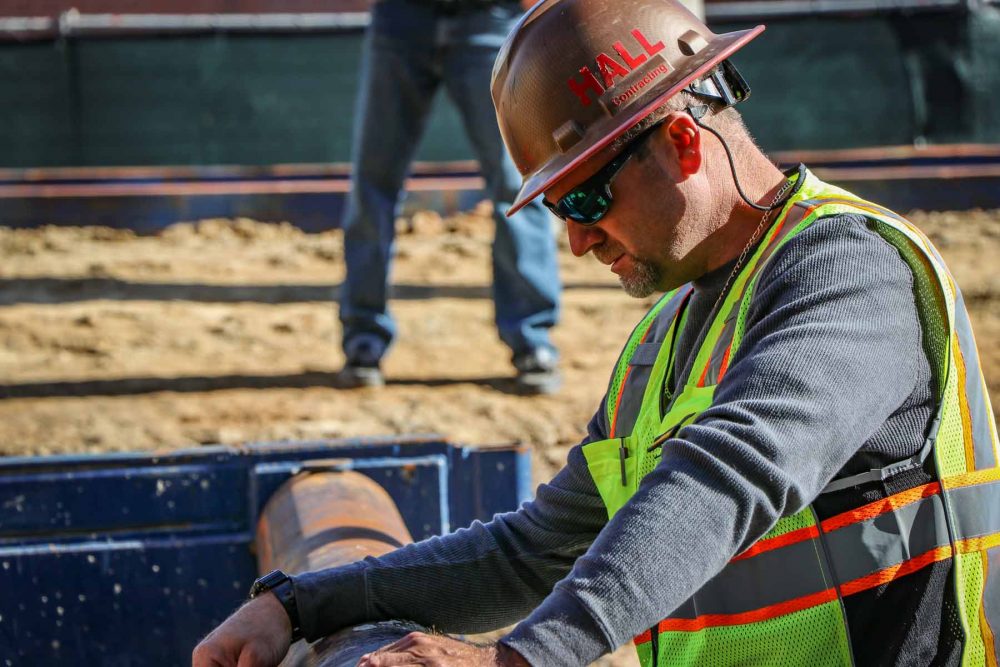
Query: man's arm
[(476, 579), (257, 634), (480, 578), (832, 348)]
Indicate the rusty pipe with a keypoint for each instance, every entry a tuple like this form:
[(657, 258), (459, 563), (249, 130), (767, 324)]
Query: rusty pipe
[(325, 519)]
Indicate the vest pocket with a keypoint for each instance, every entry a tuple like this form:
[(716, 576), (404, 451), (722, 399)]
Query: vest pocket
[(645, 354), (612, 465)]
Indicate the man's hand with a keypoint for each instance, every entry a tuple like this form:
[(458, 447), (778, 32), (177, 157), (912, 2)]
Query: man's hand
[(256, 635), (417, 648)]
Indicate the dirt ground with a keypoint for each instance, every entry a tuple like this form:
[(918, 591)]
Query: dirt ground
[(226, 332)]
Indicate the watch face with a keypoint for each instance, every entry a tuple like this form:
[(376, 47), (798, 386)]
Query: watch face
[(267, 582)]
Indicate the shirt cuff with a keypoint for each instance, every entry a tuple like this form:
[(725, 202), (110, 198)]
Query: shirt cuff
[(329, 600), (561, 631)]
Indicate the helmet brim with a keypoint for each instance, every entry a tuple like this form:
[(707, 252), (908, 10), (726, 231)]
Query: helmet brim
[(720, 48)]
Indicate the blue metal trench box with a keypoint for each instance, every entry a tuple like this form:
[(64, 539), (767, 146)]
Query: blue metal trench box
[(129, 559)]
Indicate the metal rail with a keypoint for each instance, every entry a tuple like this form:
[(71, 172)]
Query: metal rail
[(746, 10), (73, 23)]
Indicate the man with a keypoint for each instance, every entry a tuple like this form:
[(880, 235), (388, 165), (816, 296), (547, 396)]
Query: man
[(413, 47), (795, 462)]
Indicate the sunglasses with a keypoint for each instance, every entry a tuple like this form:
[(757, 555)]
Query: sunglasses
[(588, 202)]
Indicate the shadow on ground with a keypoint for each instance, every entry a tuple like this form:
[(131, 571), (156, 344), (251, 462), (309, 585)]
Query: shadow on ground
[(67, 290), (128, 386)]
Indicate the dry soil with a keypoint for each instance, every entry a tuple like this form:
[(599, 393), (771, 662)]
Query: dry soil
[(226, 331)]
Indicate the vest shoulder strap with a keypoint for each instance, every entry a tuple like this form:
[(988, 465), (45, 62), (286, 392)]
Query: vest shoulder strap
[(636, 360)]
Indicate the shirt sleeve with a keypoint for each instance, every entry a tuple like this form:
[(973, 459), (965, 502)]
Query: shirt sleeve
[(477, 579), (831, 350)]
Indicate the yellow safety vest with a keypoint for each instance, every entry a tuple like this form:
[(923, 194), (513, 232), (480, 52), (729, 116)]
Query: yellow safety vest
[(780, 601)]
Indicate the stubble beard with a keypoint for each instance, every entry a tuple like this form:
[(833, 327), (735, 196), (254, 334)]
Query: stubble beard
[(642, 280)]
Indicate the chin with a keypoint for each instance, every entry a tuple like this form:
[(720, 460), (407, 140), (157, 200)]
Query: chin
[(637, 289), (642, 281)]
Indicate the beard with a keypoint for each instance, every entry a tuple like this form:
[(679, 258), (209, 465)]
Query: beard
[(644, 278), (642, 281)]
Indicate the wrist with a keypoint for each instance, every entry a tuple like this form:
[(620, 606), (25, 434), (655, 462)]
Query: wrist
[(508, 657), (267, 606), (281, 589)]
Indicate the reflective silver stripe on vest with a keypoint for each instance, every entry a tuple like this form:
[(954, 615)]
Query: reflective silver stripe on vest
[(856, 551), (796, 215), (864, 548), (645, 354), (982, 436), (641, 365), (976, 510), (722, 347), (764, 580)]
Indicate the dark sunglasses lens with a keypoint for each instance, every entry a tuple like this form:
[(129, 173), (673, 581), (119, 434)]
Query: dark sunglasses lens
[(586, 207)]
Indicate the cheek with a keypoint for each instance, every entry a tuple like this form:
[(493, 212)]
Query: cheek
[(651, 207), (656, 218)]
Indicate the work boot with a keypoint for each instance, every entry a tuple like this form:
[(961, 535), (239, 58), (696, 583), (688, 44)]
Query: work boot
[(537, 372), (362, 367)]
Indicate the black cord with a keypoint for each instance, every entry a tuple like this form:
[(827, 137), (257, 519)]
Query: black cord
[(696, 114)]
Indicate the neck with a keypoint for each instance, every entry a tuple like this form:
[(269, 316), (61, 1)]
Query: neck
[(761, 182)]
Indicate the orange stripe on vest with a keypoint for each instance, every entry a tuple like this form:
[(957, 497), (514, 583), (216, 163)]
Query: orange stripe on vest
[(880, 507), (895, 572), (755, 616), (814, 599), (772, 543)]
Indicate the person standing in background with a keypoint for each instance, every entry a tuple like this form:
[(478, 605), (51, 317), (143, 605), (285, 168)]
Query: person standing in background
[(411, 48)]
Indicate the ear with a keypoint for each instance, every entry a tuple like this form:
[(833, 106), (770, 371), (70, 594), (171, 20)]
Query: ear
[(685, 136)]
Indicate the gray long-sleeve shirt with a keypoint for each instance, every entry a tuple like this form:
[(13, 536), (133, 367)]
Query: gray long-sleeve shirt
[(830, 376)]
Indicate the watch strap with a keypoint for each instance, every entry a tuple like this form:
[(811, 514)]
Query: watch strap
[(285, 592), (281, 585)]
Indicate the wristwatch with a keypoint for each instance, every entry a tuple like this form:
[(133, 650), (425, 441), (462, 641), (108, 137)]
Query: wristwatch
[(280, 584)]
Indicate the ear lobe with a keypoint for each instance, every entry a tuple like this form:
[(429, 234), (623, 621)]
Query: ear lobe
[(685, 137)]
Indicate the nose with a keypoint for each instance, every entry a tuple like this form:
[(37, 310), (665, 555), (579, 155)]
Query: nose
[(583, 237)]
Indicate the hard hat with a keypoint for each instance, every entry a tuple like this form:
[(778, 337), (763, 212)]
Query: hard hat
[(573, 75)]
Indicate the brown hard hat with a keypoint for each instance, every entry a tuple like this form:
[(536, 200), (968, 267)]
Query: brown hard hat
[(575, 74)]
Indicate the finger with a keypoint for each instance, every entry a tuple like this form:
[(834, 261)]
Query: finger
[(207, 655), (251, 656), (207, 662), (388, 660), (408, 641)]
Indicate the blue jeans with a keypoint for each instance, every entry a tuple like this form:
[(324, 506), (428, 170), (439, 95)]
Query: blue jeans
[(409, 50)]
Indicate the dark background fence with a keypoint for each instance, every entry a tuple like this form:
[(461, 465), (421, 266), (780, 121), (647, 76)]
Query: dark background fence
[(75, 94)]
